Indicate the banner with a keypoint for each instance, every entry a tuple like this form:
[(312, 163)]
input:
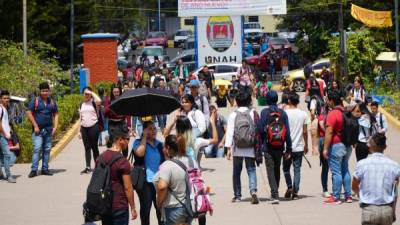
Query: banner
[(219, 39), (190, 8), (372, 18)]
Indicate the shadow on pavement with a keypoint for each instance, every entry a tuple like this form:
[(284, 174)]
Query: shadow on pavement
[(55, 171), (259, 199), (300, 197), (210, 170)]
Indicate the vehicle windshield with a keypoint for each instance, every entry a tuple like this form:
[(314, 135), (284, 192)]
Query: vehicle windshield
[(278, 41), (183, 33), (252, 26), (155, 35), (152, 51)]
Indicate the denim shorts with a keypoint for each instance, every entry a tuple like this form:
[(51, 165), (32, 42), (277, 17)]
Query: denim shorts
[(176, 216)]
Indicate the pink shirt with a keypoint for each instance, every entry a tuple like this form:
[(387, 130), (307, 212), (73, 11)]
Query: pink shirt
[(88, 114)]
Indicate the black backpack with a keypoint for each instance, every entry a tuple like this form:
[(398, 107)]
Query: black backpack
[(99, 196), (350, 129), (156, 82)]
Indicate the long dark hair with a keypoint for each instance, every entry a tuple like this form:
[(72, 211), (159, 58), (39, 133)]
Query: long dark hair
[(364, 110), (176, 145), (112, 97)]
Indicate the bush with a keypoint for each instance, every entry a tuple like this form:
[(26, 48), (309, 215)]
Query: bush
[(68, 113)]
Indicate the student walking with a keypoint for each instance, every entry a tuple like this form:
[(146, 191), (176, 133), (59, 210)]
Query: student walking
[(298, 121), (89, 113), (375, 180), (275, 132), (148, 152), (43, 115), (243, 144), (5, 136)]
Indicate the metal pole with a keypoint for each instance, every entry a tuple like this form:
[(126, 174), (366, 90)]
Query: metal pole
[(343, 66), (71, 82), (159, 15), (24, 29), (396, 9)]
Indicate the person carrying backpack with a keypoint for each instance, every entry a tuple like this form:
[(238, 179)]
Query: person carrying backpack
[(340, 134), (243, 144), (274, 130), (262, 90), (110, 193), (89, 114), (43, 115), (380, 118)]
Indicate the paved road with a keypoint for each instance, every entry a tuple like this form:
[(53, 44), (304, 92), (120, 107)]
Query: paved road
[(58, 199)]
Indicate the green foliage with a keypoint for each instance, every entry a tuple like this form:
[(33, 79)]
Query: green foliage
[(68, 113), (362, 50), (106, 85), (22, 77)]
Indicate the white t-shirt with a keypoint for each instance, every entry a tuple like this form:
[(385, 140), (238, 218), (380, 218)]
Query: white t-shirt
[(5, 121), (297, 118)]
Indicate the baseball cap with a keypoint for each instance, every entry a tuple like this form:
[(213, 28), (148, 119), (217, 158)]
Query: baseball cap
[(194, 83)]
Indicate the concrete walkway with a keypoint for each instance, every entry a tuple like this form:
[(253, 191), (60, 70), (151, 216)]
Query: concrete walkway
[(57, 200)]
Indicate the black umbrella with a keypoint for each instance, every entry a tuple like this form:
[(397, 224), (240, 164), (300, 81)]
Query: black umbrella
[(145, 102)]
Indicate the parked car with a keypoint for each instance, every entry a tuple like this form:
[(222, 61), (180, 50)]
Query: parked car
[(157, 38), (290, 36), (188, 43), (299, 79), (181, 36), (223, 71), (259, 62), (277, 43), (151, 51), (188, 58)]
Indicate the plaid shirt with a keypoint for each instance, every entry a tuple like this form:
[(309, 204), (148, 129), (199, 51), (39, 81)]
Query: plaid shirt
[(377, 175)]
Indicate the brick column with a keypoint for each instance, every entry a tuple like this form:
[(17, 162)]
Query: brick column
[(100, 56)]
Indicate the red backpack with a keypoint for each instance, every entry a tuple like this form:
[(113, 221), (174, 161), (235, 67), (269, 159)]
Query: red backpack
[(276, 130)]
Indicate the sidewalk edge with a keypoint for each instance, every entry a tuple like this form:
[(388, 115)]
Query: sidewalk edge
[(390, 117), (59, 147)]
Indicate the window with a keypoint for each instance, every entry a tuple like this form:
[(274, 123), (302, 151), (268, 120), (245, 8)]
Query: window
[(187, 58), (189, 22), (319, 66), (225, 69), (253, 18)]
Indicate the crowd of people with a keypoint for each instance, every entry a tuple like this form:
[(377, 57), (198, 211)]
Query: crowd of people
[(166, 172)]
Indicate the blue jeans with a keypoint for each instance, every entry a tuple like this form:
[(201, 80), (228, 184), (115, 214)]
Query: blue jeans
[(4, 156), (251, 172), (325, 166), (162, 121), (118, 217), (296, 159), (339, 156), (41, 144), (176, 215)]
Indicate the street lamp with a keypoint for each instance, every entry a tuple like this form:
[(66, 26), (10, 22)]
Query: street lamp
[(71, 75)]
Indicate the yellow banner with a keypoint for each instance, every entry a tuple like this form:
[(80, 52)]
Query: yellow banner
[(372, 18)]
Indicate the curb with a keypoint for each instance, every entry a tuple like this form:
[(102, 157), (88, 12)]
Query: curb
[(390, 117), (59, 147)]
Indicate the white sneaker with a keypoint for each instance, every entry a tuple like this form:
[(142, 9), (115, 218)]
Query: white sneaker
[(326, 194), (274, 201)]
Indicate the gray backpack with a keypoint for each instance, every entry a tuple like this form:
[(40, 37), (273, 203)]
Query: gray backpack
[(245, 130)]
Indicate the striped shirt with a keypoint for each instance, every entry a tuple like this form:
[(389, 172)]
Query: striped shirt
[(377, 175)]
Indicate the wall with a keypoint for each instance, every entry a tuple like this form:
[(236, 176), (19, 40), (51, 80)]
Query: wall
[(100, 56)]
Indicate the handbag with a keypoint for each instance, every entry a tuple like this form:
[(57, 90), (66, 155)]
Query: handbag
[(138, 174)]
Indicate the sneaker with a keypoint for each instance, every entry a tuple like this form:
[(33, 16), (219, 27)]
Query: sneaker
[(326, 194), (32, 174), (289, 193), (254, 199), (46, 173), (274, 201), (86, 170), (236, 199), (349, 200), (295, 196), (11, 179), (332, 201)]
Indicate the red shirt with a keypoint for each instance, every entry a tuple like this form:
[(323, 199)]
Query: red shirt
[(335, 120), (119, 168), (321, 118)]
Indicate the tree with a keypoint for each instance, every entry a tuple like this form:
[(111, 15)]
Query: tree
[(22, 77), (362, 50)]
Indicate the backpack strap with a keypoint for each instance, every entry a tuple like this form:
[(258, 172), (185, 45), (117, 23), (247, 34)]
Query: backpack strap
[(113, 160), (2, 114), (187, 194), (381, 120)]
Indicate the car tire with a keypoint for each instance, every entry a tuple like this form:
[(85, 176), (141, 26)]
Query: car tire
[(299, 85)]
